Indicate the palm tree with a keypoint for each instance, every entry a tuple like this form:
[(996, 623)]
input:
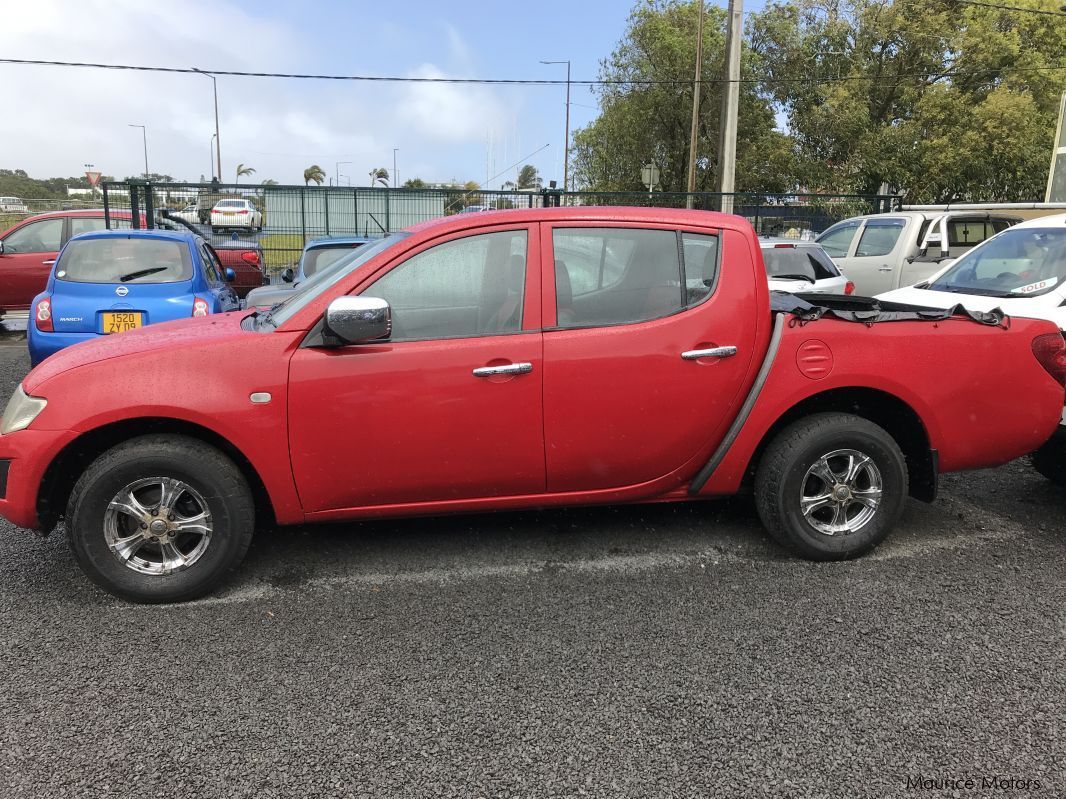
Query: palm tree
[(527, 179), (314, 173), (269, 182), (379, 175), (244, 170)]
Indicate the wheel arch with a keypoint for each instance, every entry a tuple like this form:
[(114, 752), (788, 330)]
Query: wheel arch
[(886, 410), (65, 468)]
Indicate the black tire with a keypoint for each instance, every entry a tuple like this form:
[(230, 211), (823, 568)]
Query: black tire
[(1050, 460), (783, 476), (214, 479)]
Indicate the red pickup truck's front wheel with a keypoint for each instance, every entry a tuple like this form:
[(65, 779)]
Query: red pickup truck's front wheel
[(831, 486), (160, 518)]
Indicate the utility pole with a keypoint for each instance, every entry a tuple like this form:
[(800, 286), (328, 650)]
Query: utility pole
[(727, 131), (695, 110), (566, 141), (394, 149)]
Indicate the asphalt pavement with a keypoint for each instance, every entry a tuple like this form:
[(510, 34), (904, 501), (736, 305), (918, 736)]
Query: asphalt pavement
[(641, 651)]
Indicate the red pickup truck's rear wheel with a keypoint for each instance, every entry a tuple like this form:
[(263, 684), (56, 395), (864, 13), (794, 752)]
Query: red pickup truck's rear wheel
[(160, 519), (831, 486)]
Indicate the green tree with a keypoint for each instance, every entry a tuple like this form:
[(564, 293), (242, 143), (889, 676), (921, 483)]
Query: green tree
[(314, 173), (528, 178), (244, 170), (414, 183), (268, 182), (650, 121), (942, 101)]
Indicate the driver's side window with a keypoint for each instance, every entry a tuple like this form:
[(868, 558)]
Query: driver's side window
[(43, 236), (467, 287)]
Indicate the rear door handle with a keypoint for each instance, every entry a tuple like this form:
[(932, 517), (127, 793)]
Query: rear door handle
[(49, 263), (884, 268), (506, 369), (713, 352)]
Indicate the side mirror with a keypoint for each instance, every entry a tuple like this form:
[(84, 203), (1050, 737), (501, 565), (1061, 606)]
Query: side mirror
[(288, 275), (352, 320), (1, 247), (229, 275)]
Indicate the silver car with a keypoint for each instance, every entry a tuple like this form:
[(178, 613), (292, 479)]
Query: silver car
[(802, 266)]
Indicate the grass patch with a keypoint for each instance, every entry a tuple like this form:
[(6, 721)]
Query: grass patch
[(281, 249)]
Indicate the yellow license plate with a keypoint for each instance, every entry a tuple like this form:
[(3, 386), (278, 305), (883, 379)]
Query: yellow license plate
[(117, 322)]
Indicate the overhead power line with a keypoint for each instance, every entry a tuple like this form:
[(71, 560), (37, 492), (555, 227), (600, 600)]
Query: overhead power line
[(545, 82), (1020, 9)]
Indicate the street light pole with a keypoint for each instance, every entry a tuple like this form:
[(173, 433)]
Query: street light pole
[(337, 167), (211, 154), (218, 138), (566, 141), (394, 149), (144, 135)]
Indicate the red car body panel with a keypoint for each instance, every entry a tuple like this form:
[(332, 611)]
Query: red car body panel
[(246, 263), (23, 275), (608, 414)]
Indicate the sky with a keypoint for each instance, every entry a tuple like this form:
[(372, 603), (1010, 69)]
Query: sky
[(57, 119)]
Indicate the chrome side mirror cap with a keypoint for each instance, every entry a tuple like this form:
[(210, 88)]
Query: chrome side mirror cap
[(354, 320)]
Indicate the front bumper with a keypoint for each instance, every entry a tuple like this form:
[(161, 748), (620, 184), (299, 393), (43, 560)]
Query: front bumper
[(27, 454)]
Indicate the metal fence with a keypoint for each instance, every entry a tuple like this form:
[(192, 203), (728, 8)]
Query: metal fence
[(282, 219)]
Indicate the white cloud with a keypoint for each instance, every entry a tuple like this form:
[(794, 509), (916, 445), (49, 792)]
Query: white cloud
[(449, 112), (56, 119)]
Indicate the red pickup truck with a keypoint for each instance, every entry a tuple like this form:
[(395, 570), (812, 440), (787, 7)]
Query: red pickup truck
[(516, 359)]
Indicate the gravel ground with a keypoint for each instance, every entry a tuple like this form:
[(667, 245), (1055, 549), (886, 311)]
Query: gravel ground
[(657, 651)]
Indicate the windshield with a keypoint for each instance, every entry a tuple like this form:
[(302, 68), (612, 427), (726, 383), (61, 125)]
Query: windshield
[(798, 263), (230, 204), (1020, 262), (319, 258), (124, 260), (321, 281)]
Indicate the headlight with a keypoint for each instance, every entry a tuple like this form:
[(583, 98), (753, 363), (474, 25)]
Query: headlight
[(21, 410)]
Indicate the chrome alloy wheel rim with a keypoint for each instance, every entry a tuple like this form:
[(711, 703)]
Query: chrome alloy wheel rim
[(158, 526), (841, 492)]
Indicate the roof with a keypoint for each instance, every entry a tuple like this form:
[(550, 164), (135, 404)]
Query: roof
[(169, 235), (585, 213)]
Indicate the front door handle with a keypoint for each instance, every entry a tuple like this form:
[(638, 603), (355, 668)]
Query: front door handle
[(713, 352), (49, 263), (506, 369)]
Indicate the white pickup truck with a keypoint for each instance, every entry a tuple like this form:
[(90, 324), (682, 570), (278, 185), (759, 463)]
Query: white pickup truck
[(882, 252)]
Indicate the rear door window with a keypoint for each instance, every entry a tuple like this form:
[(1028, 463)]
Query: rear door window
[(212, 268), (86, 224), (879, 237)]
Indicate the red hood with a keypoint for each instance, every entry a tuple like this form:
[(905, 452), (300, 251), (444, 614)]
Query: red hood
[(167, 335)]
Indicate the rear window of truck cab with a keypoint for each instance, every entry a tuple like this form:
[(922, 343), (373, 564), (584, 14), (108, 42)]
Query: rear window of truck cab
[(124, 260)]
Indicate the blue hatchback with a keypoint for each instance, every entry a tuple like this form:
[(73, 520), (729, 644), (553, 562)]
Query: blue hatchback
[(115, 280)]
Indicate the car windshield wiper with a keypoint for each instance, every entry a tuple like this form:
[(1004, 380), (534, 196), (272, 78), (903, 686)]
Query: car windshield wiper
[(792, 277), (971, 290), (142, 273)]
